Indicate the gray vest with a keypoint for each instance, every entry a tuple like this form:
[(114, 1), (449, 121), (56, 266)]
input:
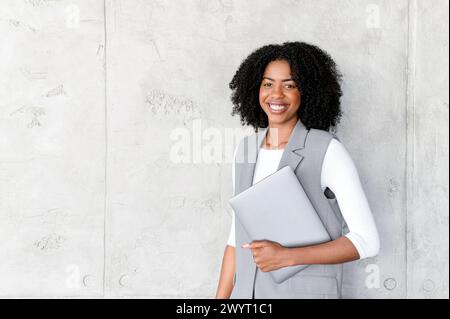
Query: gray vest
[(304, 153)]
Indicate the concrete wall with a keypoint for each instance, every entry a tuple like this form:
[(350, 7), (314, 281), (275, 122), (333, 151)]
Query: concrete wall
[(91, 201)]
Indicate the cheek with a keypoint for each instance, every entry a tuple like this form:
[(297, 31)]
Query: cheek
[(262, 96), (296, 98)]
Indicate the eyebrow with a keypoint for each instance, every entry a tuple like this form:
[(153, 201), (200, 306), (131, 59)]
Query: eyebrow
[(285, 80)]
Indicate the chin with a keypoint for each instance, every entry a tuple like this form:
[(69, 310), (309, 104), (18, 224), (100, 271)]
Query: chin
[(278, 119)]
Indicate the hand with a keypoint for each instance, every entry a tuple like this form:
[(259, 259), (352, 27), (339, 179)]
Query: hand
[(268, 255)]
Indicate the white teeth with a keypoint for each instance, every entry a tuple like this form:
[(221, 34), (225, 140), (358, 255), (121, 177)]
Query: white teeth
[(276, 107)]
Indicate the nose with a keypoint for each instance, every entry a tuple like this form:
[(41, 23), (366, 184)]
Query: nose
[(277, 91)]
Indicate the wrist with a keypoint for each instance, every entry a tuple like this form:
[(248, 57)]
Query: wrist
[(288, 257)]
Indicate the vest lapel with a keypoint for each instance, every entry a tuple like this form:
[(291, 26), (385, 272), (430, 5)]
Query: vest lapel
[(291, 156)]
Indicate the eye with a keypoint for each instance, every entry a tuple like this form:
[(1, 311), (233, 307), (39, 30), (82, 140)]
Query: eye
[(267, 84), (290, 86)]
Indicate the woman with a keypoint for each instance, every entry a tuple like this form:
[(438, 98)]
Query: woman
[(290, 94)]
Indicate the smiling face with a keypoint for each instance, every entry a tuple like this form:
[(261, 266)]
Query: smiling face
[(279, 96)]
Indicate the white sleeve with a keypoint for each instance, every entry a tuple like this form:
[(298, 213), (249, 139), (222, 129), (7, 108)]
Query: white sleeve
[(339, 173), (231, 240)]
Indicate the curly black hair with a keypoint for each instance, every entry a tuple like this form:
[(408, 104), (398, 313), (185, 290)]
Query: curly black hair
[(314, 72)]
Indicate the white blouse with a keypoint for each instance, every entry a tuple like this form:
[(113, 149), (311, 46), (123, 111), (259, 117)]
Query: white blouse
[(340, 175)]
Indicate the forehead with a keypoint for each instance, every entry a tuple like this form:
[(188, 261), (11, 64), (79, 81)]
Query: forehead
[(280, 68)]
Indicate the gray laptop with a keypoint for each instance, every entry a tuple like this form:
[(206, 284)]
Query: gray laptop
[(278, 209)]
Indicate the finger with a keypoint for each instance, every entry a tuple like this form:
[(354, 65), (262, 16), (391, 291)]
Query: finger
[(258, 244)]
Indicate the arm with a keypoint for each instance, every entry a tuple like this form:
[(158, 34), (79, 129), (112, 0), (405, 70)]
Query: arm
[(225, 286), (340, 175), (270, 256), (338, 251)]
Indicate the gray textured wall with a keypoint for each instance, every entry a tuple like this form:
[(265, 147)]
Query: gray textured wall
[(91, 203)]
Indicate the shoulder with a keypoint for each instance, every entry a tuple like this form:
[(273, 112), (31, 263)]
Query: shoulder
[(336, 147), (338, 156), (245, 141), (243, 147), (249, 139), (320, 139), (321, 134)]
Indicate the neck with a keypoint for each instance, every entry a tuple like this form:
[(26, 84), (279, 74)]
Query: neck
[(280, 132)]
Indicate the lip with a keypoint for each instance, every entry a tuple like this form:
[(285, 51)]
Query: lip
[(273, 111)]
